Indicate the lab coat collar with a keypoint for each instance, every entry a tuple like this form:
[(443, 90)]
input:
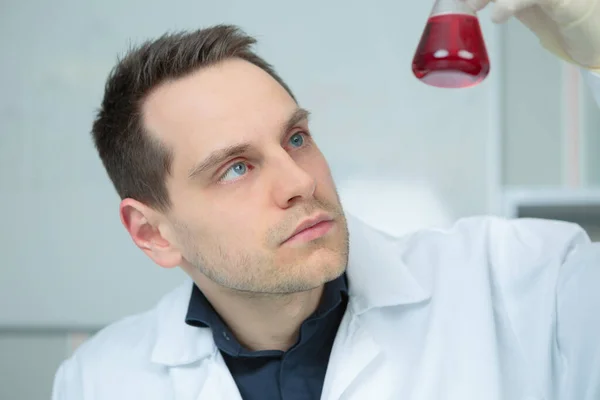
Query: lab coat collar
[(377, 274), (176, 342), (377, 277)]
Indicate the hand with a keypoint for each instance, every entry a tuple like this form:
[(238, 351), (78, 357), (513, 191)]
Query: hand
[(568, 28)]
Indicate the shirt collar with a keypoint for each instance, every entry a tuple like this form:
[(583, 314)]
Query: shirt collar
[(201, 314)]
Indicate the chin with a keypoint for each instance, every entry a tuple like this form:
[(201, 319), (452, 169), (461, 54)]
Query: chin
[(314, 263), (309, 270), (325, 268)]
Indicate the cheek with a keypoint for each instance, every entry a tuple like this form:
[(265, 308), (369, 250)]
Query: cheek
[(232, 217), (219, 230), (318, 167)]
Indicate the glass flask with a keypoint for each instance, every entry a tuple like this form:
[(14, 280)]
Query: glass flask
[(452, 51)]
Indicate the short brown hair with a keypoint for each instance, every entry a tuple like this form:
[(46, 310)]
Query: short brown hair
[(136, 163)]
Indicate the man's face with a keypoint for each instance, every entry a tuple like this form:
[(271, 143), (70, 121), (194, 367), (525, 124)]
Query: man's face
[(245, 173)]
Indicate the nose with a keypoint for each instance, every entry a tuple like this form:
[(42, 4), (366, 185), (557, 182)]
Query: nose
[(291, 183)]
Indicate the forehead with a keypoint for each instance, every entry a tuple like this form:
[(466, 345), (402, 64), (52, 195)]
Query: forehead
[(222, 105)]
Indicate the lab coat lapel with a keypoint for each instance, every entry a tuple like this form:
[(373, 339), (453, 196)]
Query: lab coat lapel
[(208, 379), (189, 381), (219, 384), (195, 366), (353, 354), (377, 277)]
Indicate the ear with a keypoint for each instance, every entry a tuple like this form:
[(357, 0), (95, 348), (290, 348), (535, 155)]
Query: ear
[(142, 223)]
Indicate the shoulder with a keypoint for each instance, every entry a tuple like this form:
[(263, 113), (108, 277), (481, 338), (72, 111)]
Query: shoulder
[(506, 250), (520, 259), (134, 336), (514, 262), (502, 241), (119, 352), (113, 354), (125, 340), (105, 360)]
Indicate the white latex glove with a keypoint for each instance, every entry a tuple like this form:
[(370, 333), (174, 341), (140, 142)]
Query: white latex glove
[(568, 28)]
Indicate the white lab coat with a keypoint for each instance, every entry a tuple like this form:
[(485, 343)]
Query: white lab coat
[(490, 309)]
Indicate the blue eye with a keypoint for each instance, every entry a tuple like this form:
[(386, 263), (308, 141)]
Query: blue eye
[(235, 171), (297, 140)]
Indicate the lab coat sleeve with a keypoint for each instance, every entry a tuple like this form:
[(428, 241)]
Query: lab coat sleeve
[(592, 79), (578, 324), (67, 382)]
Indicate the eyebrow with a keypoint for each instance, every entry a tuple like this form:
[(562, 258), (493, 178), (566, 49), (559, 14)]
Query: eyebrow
[(218, 156)]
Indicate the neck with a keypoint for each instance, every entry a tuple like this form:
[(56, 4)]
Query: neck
[(263, 321)]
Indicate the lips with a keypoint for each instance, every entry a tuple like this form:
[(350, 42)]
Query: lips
[(308, 224)]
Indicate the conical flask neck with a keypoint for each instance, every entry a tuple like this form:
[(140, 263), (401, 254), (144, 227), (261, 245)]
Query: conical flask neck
[(451, 7)]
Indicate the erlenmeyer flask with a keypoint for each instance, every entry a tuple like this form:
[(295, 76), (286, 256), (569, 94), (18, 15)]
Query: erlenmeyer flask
[(452, 52)]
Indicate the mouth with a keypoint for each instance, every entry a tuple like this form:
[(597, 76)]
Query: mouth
[(311, 228)]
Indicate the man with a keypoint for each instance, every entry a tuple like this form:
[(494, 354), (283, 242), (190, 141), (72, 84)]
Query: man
[(290, 298)]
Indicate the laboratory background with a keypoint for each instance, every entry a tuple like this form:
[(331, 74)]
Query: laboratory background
[(523, 143)]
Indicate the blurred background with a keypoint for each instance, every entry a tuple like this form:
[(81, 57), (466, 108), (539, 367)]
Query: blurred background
[(405, 156)]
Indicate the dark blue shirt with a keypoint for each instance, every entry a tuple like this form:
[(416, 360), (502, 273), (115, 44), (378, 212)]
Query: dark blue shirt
[(296, 374)]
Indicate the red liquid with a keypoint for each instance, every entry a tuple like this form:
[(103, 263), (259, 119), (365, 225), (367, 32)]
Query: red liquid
[(451, 53)]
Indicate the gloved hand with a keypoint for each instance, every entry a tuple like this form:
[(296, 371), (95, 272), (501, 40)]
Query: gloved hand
[(568, 28)]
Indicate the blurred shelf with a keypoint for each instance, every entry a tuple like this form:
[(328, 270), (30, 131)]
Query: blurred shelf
[(581, 206)]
